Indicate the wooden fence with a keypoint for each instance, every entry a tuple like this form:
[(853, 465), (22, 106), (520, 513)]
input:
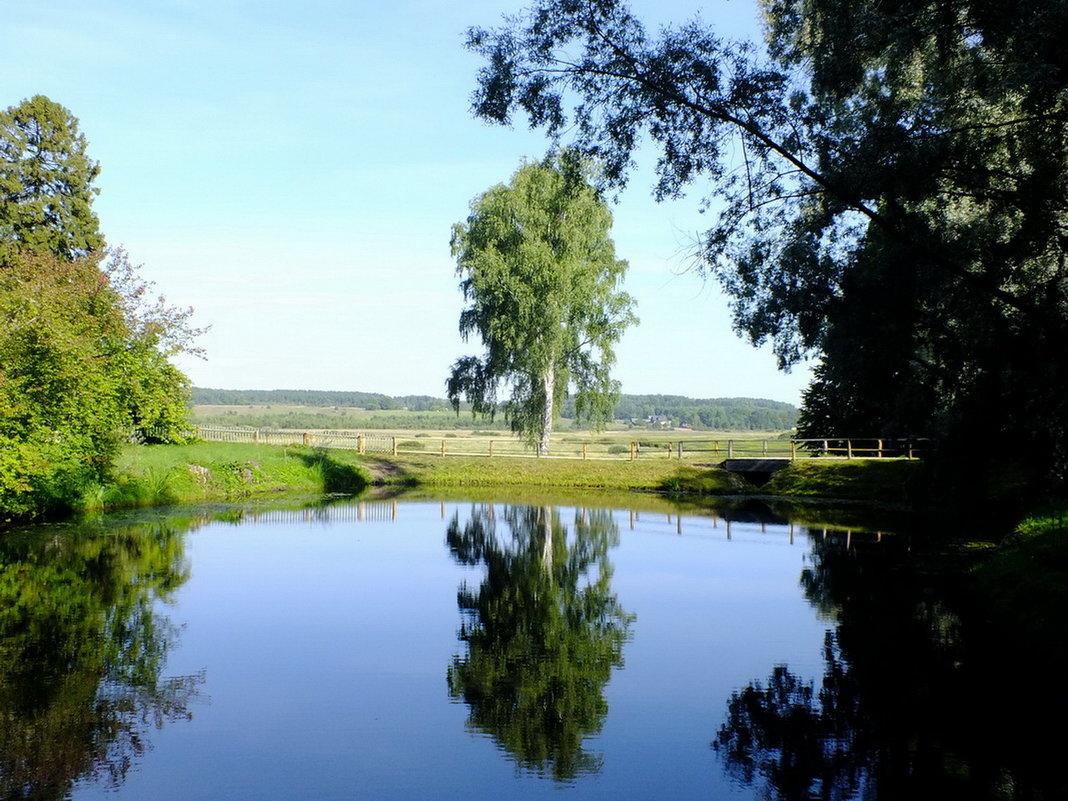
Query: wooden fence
[(693, 450), (851, 448)]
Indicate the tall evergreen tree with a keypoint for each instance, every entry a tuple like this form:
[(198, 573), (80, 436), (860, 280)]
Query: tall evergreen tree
[(46, 182)]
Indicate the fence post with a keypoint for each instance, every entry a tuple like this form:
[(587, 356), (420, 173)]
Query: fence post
[(680, 450), (632, 450), (764, 447), (880, 455), (849, 449), (824, 447), (361, 446), (669, 450), (256, 436), (793, 451), (443, 447), (307, 438), (730, 449), (584, 449), (394, 446), (491, 449)]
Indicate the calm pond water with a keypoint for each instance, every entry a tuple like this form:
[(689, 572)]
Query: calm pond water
[(445, 650)]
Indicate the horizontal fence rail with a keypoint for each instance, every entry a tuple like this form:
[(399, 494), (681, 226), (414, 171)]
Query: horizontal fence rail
[(694, 450)]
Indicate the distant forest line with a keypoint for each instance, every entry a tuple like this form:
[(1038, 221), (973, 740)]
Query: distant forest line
[(721, 414)]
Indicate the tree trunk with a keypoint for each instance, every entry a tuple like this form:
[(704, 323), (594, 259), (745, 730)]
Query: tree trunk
[(548, 384)]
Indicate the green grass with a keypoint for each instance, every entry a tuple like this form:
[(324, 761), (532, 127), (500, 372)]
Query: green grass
[(887, 481), (1023, 585), (154, 475), (459, 471)]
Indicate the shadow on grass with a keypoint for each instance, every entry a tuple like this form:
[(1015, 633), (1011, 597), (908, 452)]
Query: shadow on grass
[(705, 481), (384, 471), (892, 481), (337, 476)]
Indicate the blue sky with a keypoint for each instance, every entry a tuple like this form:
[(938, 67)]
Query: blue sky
[(292, 171)]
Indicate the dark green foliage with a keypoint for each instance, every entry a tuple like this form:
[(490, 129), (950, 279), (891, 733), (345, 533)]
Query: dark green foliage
[(46, 183), (338, 476), (891, 190), (721, 414), (321, 398), (1024, 587)]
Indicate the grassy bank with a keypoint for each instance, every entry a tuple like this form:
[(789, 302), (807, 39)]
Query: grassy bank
[(1024, 585), (893, 482), (659, 475), (155, 475), (150, 475)]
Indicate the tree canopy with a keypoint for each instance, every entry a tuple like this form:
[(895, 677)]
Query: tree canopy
[(84, 343), (46, 182), (889, 182), (541, 276)]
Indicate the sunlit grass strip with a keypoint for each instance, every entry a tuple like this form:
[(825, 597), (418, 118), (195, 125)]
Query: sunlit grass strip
[(155, 475), (462, 471)]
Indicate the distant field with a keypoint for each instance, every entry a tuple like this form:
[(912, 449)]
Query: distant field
[(303, 408), (335, 417), (428, 432)]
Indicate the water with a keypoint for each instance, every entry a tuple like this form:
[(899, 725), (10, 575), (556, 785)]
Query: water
[(452, 649)]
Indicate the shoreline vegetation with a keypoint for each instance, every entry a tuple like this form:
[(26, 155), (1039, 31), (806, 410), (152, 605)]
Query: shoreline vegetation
[(156, 475)]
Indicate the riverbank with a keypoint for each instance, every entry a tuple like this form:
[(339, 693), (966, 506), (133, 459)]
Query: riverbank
[(158, 475), (1023, 585), (153, 475)]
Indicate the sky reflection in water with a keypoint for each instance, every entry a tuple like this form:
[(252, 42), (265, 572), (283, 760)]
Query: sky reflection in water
[(441, 650)]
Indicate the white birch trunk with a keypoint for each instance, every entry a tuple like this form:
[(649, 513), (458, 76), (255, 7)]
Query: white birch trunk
[(548, 381)]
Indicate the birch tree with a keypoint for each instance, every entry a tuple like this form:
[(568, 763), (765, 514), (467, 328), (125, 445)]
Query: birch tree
[(542, 282)]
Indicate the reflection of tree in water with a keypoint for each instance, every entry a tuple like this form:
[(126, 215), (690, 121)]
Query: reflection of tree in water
[(81, 654), (800, 742), (908, 707), (542, 635)]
